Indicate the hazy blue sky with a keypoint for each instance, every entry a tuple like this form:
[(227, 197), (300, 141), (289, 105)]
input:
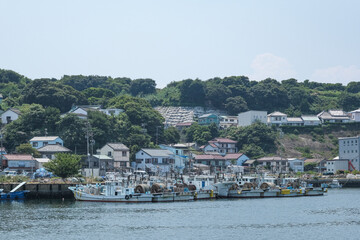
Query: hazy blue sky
[(174, 40)]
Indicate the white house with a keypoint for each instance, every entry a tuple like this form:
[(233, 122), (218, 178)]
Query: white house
[(112, 111), (155, 160), (228, 121), (10, 115), (181, 155), (297, 165), (355, 115), (221, 145), (119, 152), (311, 120), (39, 142), (277, 119), (249, 117)]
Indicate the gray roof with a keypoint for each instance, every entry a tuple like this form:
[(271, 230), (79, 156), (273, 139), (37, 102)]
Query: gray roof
[(44, 138), (53, 148), (274, 158), (118, 146), (207, 115), (157, 152), (102, 157), (294, 119), (310, 118)]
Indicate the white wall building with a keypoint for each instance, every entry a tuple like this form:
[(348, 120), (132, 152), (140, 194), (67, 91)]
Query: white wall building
[(228, 121), (10, 115), (355, 115), (249, 117), (159, 161), (337, 164), (311, 120), (277, 119), (296, 165), (349, 148)]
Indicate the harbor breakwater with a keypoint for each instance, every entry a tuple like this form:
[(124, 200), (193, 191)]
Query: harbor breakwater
[(42, 190), (60, 190)]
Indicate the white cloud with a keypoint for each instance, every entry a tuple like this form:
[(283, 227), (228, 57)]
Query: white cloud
[(268, 65), (337, 74)]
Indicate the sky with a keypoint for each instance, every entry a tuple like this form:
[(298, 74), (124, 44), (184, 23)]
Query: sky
[(169, 40)]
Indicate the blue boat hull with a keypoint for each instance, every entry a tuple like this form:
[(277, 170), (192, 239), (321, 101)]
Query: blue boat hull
[(13, 195)]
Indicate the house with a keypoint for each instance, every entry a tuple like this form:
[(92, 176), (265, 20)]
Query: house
[(337, 165), (10, 115), (236, 158), (228, 121), (296, 165), (349, 148), (181, 155), (119, 152), (277, 119), (355, 115), (112, 111), (98, 165), (275, 164), (320, 164), (207, 119), (82, 111), (221, 145), (295, 121), (250, 117), (334, 116), (311, 120), (49, 150), (160, 161), (20, 162), (39, 142), (213, 160)]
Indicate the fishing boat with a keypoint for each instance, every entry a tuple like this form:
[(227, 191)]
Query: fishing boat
[(110, 192), (335, 184)]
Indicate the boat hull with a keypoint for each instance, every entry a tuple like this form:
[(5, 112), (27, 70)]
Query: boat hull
[(141, 198)]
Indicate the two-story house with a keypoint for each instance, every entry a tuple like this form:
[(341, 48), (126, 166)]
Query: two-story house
[(334, 116), (39, 142), (208, 119), (221, 145), (160, 161), (277, 119), (250, 117), (275, 164), (119, 152), (20, 162), (228, 121)]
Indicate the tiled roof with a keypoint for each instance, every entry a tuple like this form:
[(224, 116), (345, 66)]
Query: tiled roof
[(294, 119), (19, 157), (231, 156), (273, 114), (53, 148), (209, 157), (118, 146), (222, 140), (44, 138), (310, 118), (102, 157), (312, 160)]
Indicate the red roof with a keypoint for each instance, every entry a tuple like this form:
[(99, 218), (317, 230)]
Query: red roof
[(209, 157), (18, 157), (213, 145), (222, 140), (230, 156)]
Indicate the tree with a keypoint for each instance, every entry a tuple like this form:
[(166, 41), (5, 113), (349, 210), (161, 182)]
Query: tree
[(52, 94), (171, 135), (64, 165), (216, 94), (252, 151), (26, 148), (353, 87), (142, 87), (236, 105)]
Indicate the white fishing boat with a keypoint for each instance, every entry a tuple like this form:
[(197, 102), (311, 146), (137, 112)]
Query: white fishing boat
[(335, 184), (110, 192)]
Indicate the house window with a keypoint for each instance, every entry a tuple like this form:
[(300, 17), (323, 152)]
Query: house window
[(124, 153), (45, 143), (109, 154), (35, 144)]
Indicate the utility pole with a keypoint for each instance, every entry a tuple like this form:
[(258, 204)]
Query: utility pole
[(157, 134), (1, 151), (88, 135)]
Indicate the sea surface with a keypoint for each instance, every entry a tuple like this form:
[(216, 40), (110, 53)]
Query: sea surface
[(334, 216)]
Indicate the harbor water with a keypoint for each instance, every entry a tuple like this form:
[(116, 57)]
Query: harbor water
[(334, 216)]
